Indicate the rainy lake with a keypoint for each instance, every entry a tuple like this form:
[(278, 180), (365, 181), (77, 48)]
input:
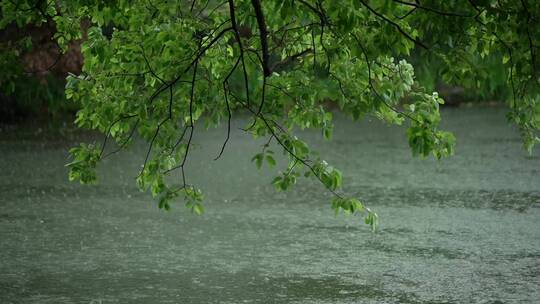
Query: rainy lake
[(461, 230)]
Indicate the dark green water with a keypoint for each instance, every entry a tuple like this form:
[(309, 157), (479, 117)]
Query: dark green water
[(463, 230)]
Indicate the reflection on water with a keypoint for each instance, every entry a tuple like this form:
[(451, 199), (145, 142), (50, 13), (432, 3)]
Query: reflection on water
[(464, 230)]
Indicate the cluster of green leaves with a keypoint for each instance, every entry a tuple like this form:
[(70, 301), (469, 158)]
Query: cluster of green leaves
[(352, 205), (259, 158), (169, 64), (466, 37), (192, 197), (84, 163)]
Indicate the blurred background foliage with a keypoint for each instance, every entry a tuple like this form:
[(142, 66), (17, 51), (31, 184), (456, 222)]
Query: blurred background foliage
[(34, 71), (485, 82)]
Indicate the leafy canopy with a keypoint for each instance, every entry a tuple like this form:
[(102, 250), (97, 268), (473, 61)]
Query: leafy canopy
[(161, 69)]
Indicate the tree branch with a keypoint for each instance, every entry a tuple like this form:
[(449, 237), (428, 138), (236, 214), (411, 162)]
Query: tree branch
[(381, 16), (109, 132), (432, 10), (239, 40), (263, 36), (370, 82), (225, 91)]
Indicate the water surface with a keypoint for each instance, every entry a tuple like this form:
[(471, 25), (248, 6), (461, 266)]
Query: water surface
[(462, 230)]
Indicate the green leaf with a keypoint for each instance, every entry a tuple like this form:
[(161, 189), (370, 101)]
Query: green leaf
[(258, 158), (271, 161), (198, 208)]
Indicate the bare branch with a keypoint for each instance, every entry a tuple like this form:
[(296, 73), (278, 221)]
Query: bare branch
[(109, 132), (191, 123), (124, 143), (225, 91), (151, 145)]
